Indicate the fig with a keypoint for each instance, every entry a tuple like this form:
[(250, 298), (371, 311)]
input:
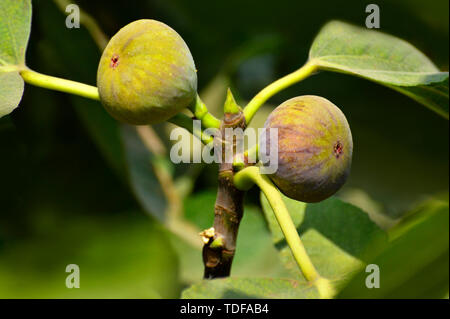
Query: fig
[(146, 73), (314, 148)]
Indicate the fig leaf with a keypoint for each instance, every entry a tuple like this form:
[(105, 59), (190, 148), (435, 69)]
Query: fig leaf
[(384, 59), (15, 24)]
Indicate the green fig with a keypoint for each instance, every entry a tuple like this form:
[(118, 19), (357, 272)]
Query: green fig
[(314, 148), (146, 73)]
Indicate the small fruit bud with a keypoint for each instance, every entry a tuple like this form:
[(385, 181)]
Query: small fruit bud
[(314, 148), (230, 105), (146, 74)]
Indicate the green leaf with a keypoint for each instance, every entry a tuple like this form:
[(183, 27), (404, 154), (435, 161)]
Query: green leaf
[(415, 264), (15, 23), (339, 237), (384, 59), (250, 288), (11, 91)]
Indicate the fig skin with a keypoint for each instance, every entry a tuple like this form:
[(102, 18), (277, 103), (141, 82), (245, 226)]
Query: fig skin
[(314, 148), (146, 74)]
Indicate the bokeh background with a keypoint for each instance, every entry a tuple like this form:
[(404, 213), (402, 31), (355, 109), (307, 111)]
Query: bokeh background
[(75, 187)]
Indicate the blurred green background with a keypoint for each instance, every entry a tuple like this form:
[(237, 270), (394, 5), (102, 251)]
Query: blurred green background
[(73, 181)]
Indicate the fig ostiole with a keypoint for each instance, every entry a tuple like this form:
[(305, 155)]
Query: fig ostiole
[(314, 148), (146, 73)]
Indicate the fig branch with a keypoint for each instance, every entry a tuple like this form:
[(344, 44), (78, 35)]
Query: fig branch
[(275, 87), (220, 240), (243, 180)]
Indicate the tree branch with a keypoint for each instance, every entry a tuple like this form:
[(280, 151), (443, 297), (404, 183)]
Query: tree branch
[(218, 251)]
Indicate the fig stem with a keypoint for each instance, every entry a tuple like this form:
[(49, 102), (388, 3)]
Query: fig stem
[(201, 112), (259, 99), (250, 156), (244, 180), (58, 84), (184, 121)]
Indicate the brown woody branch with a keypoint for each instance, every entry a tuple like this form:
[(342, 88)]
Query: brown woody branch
[(218, 251)]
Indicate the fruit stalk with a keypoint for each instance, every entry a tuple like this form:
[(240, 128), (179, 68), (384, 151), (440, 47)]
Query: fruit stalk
[(58, 84), (218, 251), (184, 121), (252, 107), (201, 113), (244, 180)]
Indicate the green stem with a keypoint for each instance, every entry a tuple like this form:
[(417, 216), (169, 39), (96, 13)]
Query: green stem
[(184, 121), (201, 112), (275, 87), (58, 84), (252, 153), (243, 180)]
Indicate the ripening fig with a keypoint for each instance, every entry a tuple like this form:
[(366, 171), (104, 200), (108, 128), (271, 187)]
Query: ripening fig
[(146, 73), (314, 148)]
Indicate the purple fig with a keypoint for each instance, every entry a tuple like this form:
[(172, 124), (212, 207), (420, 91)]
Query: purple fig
[(314, 148)]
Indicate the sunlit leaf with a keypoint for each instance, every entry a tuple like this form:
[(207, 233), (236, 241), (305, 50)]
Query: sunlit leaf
[(15, 21), (11, 90)]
